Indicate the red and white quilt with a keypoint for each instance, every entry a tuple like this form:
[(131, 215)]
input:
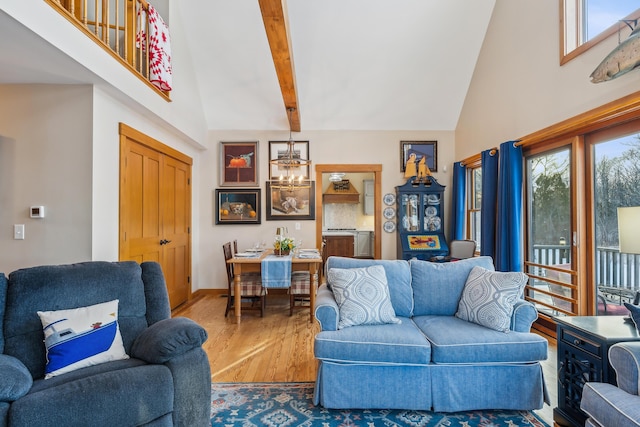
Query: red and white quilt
[(160, 73)]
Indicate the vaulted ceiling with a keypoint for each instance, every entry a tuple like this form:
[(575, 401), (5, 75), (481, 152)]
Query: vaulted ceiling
[(357, 64), (351, 64)]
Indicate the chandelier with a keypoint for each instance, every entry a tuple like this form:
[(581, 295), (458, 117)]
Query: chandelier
[(289, 163)]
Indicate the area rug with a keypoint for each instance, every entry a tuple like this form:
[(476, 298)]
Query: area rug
[(291, 405)]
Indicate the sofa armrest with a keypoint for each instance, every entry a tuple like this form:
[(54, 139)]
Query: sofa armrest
[(524, 314), (167, 339), (326, 312), (625, 358), (15, 379), (608, 405)]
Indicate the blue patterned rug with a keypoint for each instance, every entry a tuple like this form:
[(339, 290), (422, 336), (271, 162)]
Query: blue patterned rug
[(291, 405)]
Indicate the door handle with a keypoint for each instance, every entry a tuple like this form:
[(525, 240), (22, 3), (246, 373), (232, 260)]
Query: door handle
[(164, 242)]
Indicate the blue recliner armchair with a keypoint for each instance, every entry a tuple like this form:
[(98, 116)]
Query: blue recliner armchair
[(608, 405), (166, 381)]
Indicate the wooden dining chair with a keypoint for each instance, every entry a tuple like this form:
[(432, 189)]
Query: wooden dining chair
[(300, 289), (251, 289)]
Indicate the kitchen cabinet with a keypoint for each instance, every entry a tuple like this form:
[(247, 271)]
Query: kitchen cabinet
[(368, 198), (420, 229), (363, 244), (339, 245)]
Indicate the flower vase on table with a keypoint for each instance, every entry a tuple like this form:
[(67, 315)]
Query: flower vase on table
[(283, 246)]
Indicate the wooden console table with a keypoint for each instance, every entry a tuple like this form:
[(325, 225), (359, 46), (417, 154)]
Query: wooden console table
[(583, 356)]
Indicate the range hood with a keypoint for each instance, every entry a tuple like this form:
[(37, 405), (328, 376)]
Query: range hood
[(341, 192)]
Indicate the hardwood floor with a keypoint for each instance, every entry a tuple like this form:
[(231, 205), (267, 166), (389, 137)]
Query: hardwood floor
[(279, 347)]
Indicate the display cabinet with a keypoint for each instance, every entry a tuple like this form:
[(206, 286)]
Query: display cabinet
[(420, 229)]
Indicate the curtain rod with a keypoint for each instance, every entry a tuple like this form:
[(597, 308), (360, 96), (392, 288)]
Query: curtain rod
[(477, 157)]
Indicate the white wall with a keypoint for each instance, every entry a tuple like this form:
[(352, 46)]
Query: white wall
[(519, 87), (325, 147), (45, 159)]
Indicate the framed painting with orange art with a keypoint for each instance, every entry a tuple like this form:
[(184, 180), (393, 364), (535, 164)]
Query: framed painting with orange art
[(239, 164)]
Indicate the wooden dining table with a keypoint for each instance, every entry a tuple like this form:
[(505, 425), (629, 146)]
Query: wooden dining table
[(254, 264)]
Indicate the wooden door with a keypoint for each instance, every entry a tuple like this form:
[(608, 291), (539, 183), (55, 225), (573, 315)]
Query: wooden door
[(155, 209)]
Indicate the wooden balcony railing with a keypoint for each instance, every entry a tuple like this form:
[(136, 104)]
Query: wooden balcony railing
[(552, 286), (117, 26)]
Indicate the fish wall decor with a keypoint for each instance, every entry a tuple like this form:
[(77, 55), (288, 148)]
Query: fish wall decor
[(624, 58)]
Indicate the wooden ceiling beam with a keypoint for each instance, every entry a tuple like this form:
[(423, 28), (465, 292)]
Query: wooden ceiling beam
[(276, 25)]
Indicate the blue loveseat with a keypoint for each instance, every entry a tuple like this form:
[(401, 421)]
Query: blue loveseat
[(431, 360), (166, 381)]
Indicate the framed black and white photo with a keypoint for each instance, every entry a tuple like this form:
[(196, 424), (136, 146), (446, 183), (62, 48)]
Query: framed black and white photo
[(278, 150)]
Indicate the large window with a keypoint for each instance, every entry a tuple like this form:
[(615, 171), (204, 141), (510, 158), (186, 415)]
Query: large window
[(616, 183), (474, 203), (549, 236), (587, 22)]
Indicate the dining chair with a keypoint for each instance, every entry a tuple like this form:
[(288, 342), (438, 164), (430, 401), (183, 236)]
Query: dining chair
[(300, 289), (251, 289), (462, 249)]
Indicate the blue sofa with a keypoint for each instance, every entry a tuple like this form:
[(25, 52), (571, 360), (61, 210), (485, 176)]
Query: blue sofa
[(166, 381), (432, 360), (608, 405)]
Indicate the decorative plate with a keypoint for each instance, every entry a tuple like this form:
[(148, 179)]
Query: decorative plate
[(389, 226), (389, 199), (431, 211), (389, 212)]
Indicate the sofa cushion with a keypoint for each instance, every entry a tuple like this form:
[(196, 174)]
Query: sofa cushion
[(437, 287), (362, 295), (16, 379), (388, 344), (134, 396), (488, 297), (610, 406), (81, 337), (454, 340), (398, 278)]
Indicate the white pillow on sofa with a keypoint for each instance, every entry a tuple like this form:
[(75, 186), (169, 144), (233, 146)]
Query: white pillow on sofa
[(488, 297), (362, 295), (81, 337)]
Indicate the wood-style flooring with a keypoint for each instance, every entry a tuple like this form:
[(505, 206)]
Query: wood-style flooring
[(279, 347)]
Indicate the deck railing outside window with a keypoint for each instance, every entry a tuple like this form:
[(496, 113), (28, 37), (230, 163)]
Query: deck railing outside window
[(617, 278), (116, 25)]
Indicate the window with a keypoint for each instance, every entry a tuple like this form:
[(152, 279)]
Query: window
[(474, 204), (616, 183), (549, 231), (587, 22)]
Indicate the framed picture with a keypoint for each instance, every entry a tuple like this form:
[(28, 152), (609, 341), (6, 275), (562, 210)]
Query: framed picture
[(294, 204), (414, 151), (278, 150), (239, 164), (240, 206)]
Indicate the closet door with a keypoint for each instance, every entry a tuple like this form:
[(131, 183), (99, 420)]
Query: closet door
[(155, 209)]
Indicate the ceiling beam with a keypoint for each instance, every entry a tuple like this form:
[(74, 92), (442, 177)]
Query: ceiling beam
[(276, 24)]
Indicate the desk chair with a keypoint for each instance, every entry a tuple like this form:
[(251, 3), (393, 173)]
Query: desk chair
[(251, 289)]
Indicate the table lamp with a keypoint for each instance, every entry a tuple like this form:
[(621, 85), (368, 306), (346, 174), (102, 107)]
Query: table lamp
[(629, 238)]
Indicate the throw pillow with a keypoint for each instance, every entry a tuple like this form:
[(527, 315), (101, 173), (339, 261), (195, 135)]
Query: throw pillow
[(488, 297), (362, 295), (634, 312), (81, 337)]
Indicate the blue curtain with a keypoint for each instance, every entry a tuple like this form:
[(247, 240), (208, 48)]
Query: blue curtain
[(509, 250), (488, 206), (458, 201)]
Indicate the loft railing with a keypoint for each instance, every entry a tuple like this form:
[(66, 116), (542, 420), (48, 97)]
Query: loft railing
[(552, 288), (117, 26)]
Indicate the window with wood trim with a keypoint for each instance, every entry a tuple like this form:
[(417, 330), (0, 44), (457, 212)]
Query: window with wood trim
[(474, 203), (574, 186), (585, 23)]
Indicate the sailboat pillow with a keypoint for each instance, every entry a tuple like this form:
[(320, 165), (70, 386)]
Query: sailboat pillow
[(81, 337)]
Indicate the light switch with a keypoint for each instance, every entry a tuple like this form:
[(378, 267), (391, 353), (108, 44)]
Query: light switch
[(297, 226), (18, 231)]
